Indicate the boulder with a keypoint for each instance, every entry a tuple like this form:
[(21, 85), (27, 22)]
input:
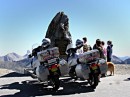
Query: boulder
[(58, 32)]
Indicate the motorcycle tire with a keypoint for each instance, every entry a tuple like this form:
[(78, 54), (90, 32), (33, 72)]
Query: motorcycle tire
[(93, 80), (72, 72), (55, 82)]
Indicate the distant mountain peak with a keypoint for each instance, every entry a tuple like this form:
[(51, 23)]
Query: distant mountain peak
[(13, 54), (124, 58), (26, 55), (11, 57), (117, 60), (28, 52)]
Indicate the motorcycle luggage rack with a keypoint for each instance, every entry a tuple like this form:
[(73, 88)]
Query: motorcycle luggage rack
[(93, 61)]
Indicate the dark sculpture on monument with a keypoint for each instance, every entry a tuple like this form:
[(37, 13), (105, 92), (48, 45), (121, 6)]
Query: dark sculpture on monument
[(58, 32)]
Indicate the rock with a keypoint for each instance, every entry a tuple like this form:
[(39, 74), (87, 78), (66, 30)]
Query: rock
[(58, 32)]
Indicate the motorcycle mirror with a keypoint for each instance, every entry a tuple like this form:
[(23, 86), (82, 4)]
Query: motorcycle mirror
[(34, 46)]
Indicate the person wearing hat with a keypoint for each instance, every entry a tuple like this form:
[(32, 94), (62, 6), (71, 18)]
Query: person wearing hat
[(109, 51)]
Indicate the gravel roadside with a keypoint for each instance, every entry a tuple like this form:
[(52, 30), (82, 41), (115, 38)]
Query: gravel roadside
[(122, 69)]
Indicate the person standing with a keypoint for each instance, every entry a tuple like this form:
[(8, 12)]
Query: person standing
[(79, 46), (109, 51), (99, 48), (104, 49), (86, 47)]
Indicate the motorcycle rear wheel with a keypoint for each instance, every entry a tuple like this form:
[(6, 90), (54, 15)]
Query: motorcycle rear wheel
[(55, 82), (93, 80)]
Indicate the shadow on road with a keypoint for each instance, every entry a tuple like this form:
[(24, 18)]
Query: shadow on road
[(14, 74), (128, 79), (33, 88)]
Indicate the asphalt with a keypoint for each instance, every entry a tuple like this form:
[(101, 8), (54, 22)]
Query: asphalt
[(18, 85)]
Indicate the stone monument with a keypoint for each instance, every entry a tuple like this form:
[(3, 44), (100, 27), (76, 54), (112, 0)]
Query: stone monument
[(58, 32)]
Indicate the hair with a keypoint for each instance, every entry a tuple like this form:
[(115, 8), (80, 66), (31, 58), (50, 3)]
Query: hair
[(103, 43), (98, 42), (110, 42), (84, 38)]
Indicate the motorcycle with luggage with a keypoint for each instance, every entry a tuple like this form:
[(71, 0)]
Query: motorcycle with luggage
[(86, 66), (49, 67)]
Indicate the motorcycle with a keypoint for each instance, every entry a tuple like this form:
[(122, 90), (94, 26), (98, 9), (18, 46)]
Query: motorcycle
[(86, 66), (50, 67)]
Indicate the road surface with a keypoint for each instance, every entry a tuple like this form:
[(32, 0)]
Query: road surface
[(17, 85)]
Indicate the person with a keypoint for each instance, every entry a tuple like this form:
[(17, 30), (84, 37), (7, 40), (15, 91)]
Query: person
[(70, 51), (86, 47), (104, 49), (73, 54), (109, 50), (34, 52), (79, 46), (46, 43), (97, 46), (35, 62)]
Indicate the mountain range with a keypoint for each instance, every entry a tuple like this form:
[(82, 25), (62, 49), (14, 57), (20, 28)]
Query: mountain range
[(121, 60), (16, 57)]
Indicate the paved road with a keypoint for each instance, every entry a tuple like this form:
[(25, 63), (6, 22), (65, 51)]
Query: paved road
[(16, 85)]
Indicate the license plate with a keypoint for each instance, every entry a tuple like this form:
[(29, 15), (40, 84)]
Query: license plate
[(52, 61)]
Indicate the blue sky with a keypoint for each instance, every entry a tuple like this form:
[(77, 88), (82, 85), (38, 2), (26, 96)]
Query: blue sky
[(25, 22)]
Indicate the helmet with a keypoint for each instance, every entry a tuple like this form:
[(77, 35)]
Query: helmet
[(79, 43), (46, 42), (70, 48)]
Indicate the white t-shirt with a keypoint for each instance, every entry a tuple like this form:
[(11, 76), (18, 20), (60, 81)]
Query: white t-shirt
[(80, 51)]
